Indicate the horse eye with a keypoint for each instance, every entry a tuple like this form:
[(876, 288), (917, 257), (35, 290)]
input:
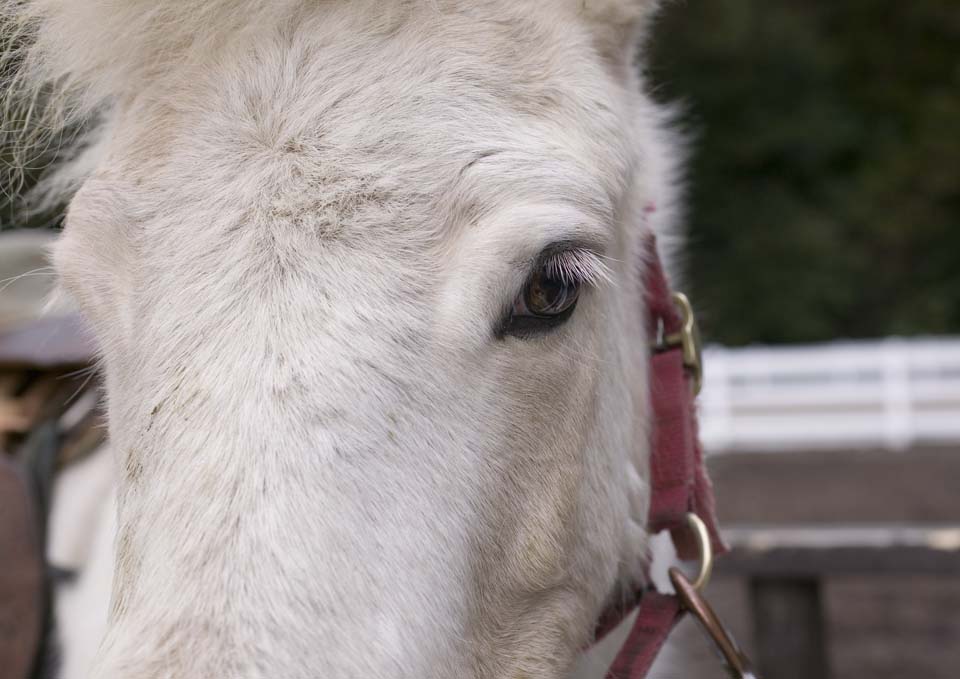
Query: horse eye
[(547, 295), (548, 299)]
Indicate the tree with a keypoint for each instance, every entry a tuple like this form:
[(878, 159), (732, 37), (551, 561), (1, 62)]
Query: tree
[(824, 186)]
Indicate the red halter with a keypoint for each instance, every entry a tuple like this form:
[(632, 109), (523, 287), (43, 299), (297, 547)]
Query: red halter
[(679, 482)]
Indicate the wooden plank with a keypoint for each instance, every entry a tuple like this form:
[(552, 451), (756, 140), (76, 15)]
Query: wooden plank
[(919, 486), (813, 551)]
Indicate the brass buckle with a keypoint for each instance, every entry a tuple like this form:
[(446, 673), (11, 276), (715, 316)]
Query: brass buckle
[(688, 339), (692, 599)]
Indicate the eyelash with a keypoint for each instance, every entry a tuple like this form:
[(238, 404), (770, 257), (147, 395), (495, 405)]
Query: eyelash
[(569, 265), (574, 265)]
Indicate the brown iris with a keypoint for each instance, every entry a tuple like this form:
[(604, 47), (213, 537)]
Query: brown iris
[(548, 295), (545, 302)]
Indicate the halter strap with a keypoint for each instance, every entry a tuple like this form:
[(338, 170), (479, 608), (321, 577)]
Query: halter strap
[(679, 482)]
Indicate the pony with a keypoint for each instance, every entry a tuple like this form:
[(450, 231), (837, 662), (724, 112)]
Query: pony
[(366, 280)]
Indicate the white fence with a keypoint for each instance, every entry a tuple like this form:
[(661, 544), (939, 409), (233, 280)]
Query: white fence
[(889, 394)]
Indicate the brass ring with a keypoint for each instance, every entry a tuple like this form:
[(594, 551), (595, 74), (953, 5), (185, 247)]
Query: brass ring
[(699, 529)]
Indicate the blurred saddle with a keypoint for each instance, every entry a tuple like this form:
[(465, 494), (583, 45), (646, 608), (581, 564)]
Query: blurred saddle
[(53, 343), (49, 417)]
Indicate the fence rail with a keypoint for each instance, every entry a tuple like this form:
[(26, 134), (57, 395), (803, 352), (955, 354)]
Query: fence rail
[(891, 394)]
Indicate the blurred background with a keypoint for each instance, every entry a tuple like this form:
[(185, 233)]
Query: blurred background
[(823, 255)]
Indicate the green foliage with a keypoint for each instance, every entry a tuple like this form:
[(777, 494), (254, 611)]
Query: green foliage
[(825, 179)]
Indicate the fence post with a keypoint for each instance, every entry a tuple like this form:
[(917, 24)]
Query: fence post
[(717, 416), (896, 392), (789, 628)]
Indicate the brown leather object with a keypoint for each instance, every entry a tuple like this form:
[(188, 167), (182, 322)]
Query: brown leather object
[(54, 342), (21, 575)]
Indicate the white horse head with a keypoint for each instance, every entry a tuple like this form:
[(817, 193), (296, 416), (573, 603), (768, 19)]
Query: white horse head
[(366, 280)]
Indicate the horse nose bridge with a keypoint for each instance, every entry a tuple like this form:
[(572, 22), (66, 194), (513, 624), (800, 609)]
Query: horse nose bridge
[(370, 596)]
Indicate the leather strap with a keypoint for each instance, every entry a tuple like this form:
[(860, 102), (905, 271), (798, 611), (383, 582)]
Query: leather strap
[(691, 600), (21, 575), (658, 615), (679, 480), (678, 477)]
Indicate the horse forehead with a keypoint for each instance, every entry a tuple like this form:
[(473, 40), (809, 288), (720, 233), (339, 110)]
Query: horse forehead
[(300, 195), (407, 142), (348, 111)]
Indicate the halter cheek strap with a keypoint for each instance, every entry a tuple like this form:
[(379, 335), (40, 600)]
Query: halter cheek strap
[(680, 486), (678, 477)]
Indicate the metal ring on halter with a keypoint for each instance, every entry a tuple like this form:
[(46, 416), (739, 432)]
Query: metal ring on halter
[(702, 535)]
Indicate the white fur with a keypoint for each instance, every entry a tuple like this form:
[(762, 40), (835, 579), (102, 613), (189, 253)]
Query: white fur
[(299, 225)]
